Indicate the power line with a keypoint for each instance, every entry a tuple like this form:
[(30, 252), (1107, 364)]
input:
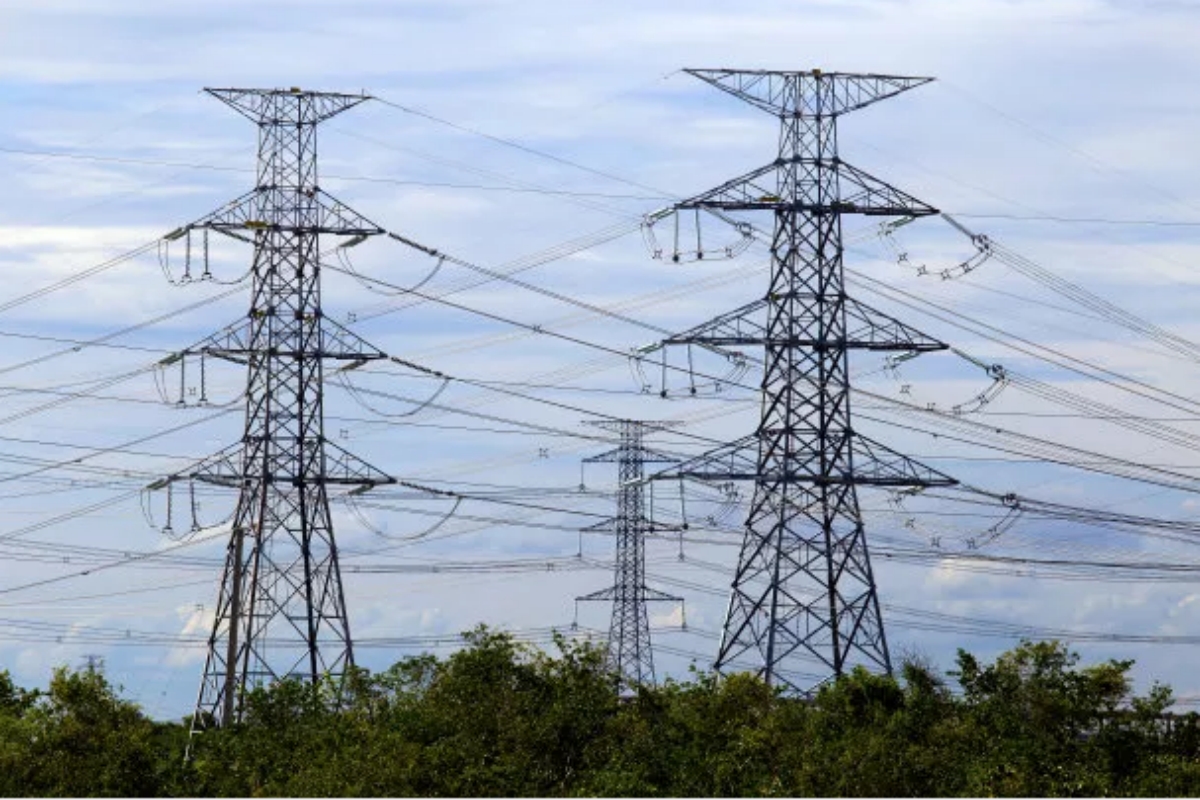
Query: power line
[(518, 146), (1163, 223), (92, 157)]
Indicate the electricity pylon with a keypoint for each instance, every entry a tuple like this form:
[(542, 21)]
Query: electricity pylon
[(804, 590), (629, 652), (281, 611)]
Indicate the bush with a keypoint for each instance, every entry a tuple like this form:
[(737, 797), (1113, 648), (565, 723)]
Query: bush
[(499, 718)]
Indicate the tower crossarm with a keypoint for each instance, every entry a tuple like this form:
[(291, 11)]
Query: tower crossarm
[(292, 106), (860, 193), (733, 461), (643, 454), (231, 343), (339, 343), (235, 343), (811, 93), (870, 329), (869, 463), (878, 465), (866, 328), (343, 468), (746, 325), (260, 211), (226, 468), (647, 595), (222, 468)]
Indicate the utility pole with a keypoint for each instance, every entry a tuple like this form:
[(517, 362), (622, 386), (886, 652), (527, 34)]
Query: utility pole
[(629, 652), (281, 611), (804, 590)]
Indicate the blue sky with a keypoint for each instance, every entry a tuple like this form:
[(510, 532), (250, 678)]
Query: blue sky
[(1073, 109)]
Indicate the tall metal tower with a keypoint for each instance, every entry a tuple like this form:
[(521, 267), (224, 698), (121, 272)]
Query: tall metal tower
[(804, 590), (281, 611), (629, 653)]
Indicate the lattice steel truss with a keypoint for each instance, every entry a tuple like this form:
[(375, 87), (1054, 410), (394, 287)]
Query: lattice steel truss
[(629, 651), (804, 590), (281, 611)]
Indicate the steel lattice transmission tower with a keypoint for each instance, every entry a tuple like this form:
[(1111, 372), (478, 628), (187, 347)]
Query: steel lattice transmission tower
[(629, 652), (804, 591), (281, 611)]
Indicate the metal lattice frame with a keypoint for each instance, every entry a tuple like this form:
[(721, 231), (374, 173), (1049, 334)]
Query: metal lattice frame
[(804, 589), (629, 652), (281, 610)]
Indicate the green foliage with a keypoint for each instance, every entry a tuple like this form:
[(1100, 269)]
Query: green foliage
[(77, 738), (499, 718)]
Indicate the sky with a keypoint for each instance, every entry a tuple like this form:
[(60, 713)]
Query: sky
[(536, 136)]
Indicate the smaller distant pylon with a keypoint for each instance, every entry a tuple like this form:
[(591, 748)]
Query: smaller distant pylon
[(629, 652)]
